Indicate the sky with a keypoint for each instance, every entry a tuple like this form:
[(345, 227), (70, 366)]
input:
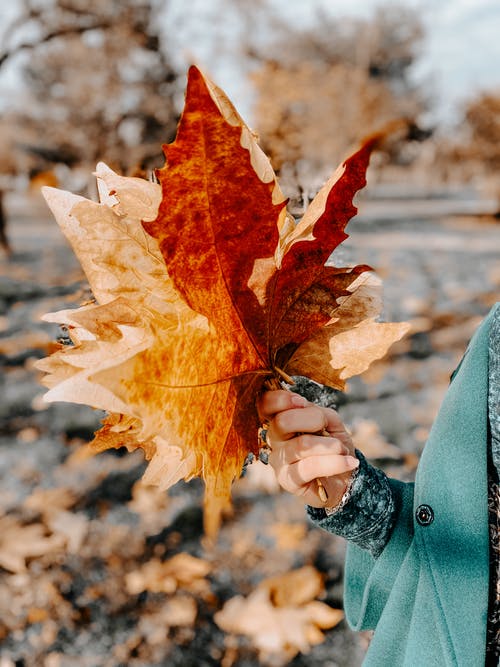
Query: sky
[(461, 53)]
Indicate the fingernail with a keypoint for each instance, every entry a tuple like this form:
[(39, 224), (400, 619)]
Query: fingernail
[(298, 401), (352, 461)]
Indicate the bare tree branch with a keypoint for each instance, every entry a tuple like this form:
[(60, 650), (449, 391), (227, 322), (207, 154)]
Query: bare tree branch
[(49, 36)]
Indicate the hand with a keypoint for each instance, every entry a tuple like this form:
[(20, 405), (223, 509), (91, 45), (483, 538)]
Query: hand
[(299, 455)]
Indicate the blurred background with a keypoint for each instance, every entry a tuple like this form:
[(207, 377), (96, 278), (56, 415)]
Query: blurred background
[(96, 569)]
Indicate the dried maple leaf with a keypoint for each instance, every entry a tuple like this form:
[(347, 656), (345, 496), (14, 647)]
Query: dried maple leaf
[(205, 290), (49, 501), (71, 526), (281, 616), (152, 504), (181, 571), (288, 535), (20, 542), (53, 505)]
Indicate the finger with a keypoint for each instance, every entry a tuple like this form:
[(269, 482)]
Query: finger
[(306, 445), (311, 419), (333, 423), (335, 487), (271, 403), (304, 471)]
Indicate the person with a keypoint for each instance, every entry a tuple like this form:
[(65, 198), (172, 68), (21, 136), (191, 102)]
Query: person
[(422, 559)]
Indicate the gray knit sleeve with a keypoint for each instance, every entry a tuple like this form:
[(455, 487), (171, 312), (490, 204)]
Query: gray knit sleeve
[(369, 514)]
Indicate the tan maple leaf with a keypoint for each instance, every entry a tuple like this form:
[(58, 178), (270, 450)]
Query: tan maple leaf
[(178, 611), (281, 616), (205, 290), (19, 542), (181, 571)]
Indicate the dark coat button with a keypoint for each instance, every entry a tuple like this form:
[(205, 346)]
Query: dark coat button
[(425, 515)]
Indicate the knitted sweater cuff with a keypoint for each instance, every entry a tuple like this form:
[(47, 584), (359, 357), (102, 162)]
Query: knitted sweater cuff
[(368, 516)]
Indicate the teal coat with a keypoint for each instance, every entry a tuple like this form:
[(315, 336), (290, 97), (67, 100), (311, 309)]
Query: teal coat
[(427, 593)]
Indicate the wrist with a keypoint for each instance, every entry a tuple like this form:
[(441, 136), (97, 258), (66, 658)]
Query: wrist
[(337, 507)]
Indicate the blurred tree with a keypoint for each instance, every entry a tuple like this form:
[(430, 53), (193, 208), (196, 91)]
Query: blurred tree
[(482, 150), (100, 83), (320, 90), (472, 153), (482, 119)]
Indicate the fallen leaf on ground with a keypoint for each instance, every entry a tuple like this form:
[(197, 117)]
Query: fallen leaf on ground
[(281, 616), (179, 611), (147, 500), (49, 501), (295, 587), (206, 290), (28, 434), (71, 526), (32, 340), (18, 543), (288, 535), (181, 571)]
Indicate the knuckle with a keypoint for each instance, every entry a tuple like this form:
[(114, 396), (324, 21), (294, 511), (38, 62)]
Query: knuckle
[(322, 417), (315, 411), (283, 477), (329, 417), (338, 447), (280, 422), (330, 412), (270, 402), (304, 468), (304, 441)]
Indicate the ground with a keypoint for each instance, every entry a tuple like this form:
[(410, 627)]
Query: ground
[(76, 532)]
